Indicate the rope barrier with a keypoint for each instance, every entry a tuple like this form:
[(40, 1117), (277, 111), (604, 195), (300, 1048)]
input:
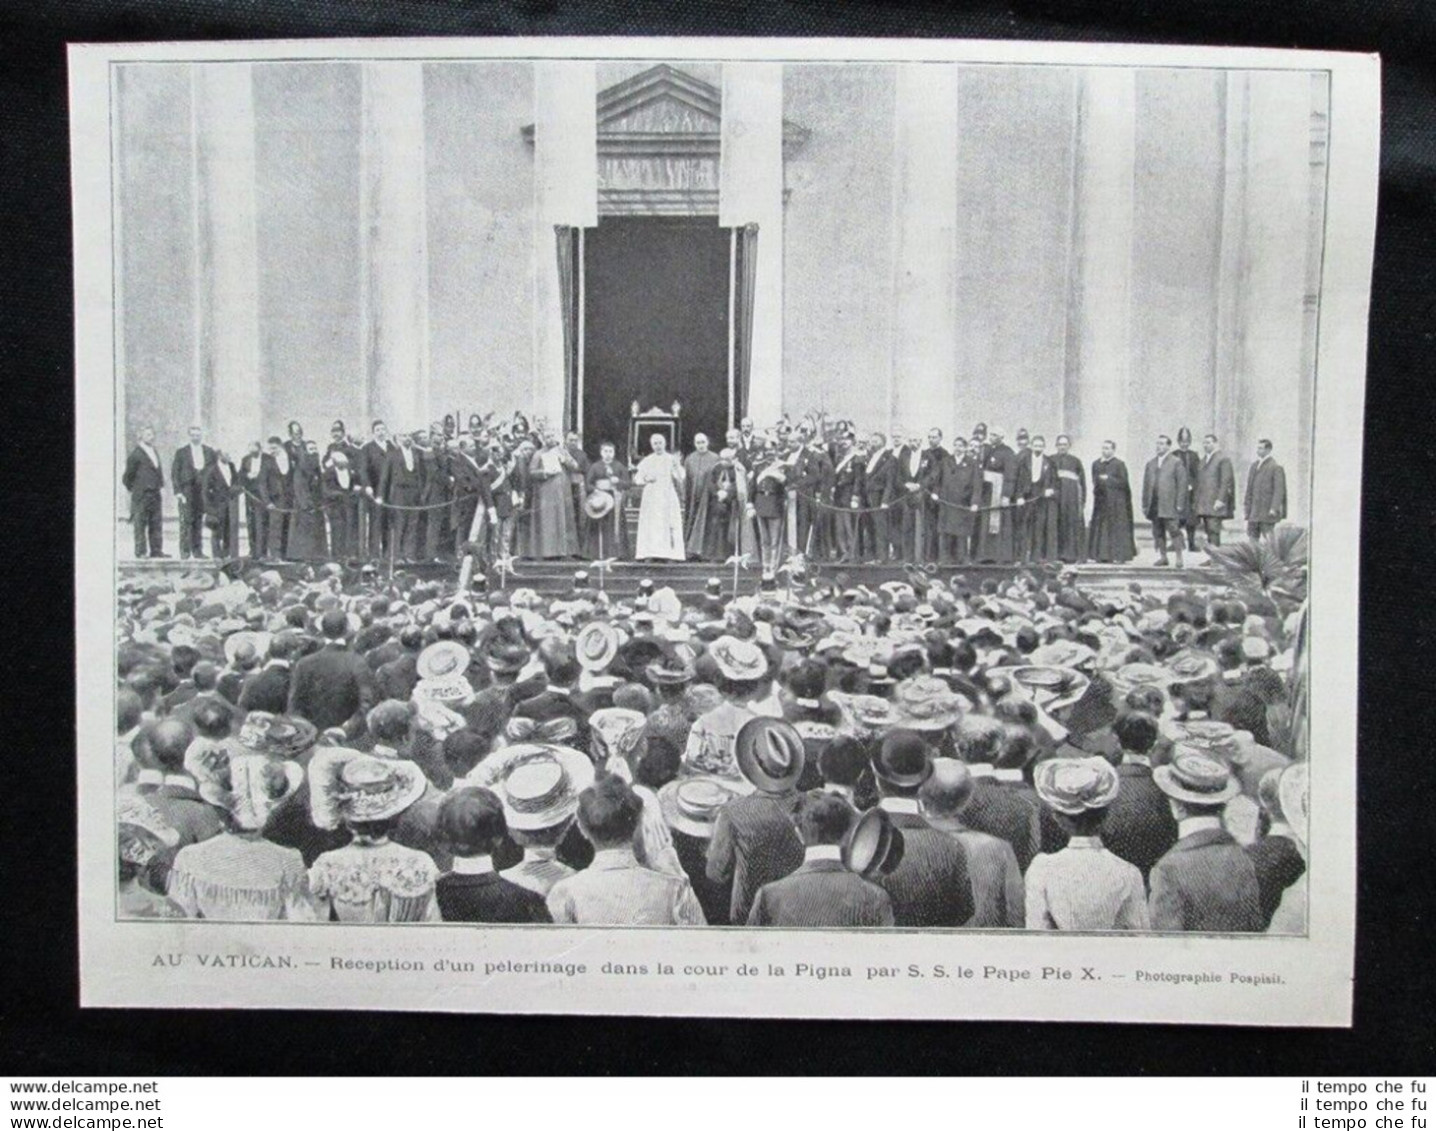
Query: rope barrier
[(378, 502)]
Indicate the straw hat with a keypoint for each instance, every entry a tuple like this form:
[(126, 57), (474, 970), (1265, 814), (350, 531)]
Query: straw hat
[(596, 645), (539, 783), (1196, 778), (442, 660), (1076, 785), (376, 789), (598, 504), (738, 659), (925, 702), (253, 782), (1294, 796), (691, 805)]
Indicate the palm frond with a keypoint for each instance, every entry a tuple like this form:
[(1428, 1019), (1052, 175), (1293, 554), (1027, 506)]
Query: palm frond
[(1274, 567)]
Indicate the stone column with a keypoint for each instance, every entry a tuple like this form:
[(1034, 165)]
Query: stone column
[(393, 244), (923, 388), (227, 255), (1099, 351)]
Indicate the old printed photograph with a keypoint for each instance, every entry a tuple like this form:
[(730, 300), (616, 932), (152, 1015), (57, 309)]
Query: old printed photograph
[(788, 528)]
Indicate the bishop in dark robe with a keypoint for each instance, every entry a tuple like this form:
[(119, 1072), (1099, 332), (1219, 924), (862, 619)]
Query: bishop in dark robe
[(553, 532), (1109, 538), (308, 541), (1071, 502), (995, 527), (698, 469)]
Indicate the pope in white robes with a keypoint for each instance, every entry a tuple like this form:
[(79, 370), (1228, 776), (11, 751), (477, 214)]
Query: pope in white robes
[(660, 514)]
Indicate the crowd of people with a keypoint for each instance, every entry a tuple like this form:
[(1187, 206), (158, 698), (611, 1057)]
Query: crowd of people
[(343, 746), (813, 489)]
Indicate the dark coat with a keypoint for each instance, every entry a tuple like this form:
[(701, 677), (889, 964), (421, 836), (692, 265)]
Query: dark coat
[(754, 843), (1164, 488), (1206, 882), (1215, 493), (401, 484), (821, 893), (548, 705), (880, 486), (848, 480), (266, 690), (183, 473), (1279, 864), (488, 898), (1109, 538), (141, 473), (398, 678), (1004, 813), (1266, 492), (330, 687), (930, 887), (959, 485), (1139, 826)]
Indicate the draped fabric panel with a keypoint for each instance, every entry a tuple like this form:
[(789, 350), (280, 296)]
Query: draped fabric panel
[(565, 195), (750, 191), (747, 289), (566, 242)]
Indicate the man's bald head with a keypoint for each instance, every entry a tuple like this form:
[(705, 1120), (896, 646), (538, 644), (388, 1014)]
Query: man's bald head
[(168, 741), (948, 790)]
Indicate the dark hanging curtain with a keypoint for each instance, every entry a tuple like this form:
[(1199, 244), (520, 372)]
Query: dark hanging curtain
[(747, 274), (566, 237)]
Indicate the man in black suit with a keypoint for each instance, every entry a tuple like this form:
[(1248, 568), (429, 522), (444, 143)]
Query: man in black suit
[(822, 892), (276, 488), (847, 497), (471, 826), (144, 479), (395, 678), (930, 887), (220, 491), (333, 686), (187, 472), (1277, 856), (560, 698), (401, 485), (268, 688), (878, 479), (372, 458), (992, 809), (919, 469), (1139, 826)]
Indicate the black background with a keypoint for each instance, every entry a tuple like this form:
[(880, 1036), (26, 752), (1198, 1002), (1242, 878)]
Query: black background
[(656, 326), (41, 1029)]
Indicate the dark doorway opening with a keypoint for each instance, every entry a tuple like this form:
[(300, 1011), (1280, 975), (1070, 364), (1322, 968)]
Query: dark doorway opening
[(655, 325)]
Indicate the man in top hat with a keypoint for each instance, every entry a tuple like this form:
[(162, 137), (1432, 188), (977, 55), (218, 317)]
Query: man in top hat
[(1214, 495), (144, 479), (1139, 826), (1206, 882), (1278, 856), (931, 886), (1082, 887), (822, 891), (1266, 493), (471, 826), (1165, 499), (996, 880), (332, 687), (616, 890), (754, 840)]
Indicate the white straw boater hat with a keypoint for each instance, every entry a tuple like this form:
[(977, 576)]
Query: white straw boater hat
[(376, 789), (1195, 778), (691, 805), (539, 782)]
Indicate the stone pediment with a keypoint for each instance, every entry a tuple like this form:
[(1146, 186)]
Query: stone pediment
[(664, 112)]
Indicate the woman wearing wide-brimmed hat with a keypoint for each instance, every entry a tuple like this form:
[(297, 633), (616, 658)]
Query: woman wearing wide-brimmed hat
[(238, 876), (1083, 887), (372, 879), (745, 682)]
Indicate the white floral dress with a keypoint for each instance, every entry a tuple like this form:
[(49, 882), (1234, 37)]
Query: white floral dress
[(375, 882)]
